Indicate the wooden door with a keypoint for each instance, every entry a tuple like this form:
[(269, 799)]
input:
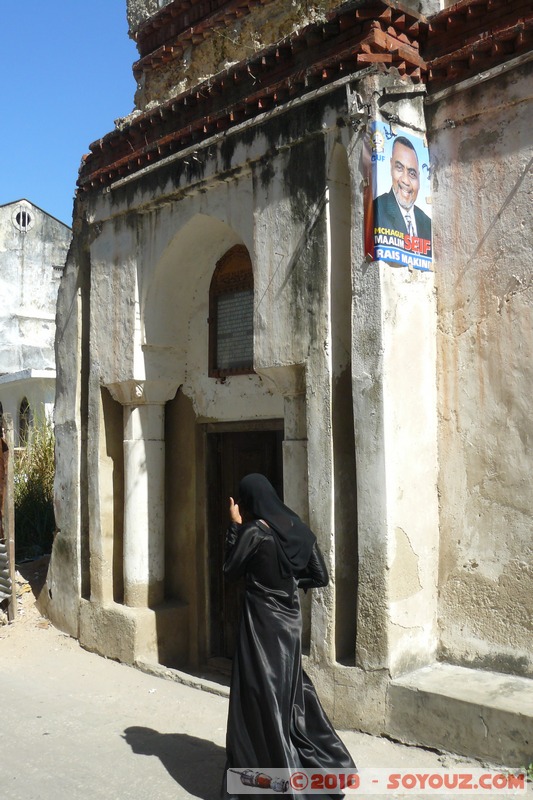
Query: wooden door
[(231, 456)]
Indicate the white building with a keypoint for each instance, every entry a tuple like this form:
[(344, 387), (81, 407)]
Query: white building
[(33, 251), (390, 404)]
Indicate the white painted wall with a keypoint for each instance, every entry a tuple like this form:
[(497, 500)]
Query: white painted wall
[(32, 258), (481, 147), (440, 365), (36, 386)]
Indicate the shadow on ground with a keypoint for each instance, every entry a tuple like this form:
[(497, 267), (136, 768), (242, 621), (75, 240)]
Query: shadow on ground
[(34, 571), (195, 764)]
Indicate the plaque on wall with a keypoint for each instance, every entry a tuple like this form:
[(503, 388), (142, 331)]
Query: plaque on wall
[(231, 315), (235, 330)]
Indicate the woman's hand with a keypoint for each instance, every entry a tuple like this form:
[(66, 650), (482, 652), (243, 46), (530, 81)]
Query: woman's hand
[(234, 513)]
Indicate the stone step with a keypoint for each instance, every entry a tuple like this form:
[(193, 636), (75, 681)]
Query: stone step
[(487, 715)]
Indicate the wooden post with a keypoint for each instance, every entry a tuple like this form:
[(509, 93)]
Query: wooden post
[(8, 516)]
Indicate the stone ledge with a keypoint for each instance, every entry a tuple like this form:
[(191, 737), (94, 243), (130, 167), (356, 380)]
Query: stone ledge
[(202, 682), (127, 634), (481, 714)]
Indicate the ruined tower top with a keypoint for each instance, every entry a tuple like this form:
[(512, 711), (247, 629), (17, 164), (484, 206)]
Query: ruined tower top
[(139, 11), (205, 66), (182, 43)]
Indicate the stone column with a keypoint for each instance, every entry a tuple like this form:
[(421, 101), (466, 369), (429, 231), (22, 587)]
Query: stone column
[(144, 504), (397, 469), (290, 384), (296, 488), (144, 489)]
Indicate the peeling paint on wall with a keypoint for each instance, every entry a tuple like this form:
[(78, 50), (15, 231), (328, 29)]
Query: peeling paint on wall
[(248, 35), (485, 374), (405, 580)]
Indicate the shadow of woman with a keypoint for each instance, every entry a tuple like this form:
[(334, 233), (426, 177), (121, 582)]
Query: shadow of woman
[(195, 764)]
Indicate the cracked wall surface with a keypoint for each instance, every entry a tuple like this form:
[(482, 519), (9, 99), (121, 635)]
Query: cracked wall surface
[(434, 407), (264, 25), (481, 145), (141, 10)]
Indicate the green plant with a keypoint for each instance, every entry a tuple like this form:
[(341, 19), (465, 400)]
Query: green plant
[(528, 771), (34, 493)]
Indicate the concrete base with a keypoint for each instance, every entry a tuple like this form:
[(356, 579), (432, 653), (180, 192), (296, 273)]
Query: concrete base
[(353, 699), (485, 715), (154, 635)]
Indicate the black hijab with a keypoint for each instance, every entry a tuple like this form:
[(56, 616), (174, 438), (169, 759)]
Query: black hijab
[(258, 497)]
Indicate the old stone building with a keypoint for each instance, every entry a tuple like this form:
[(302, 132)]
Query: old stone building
[(236, 299), (33, 251)]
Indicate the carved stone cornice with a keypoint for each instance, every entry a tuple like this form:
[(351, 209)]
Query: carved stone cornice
[(137, 393)]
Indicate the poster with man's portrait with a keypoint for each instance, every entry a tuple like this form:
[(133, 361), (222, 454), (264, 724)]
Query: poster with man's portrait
[(398, 203)]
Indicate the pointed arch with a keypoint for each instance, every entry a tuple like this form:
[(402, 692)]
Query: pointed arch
[(231, 314), (343, 423), (25, 422)]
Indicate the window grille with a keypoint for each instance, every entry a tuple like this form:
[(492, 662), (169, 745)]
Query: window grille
[(23, 219), (231, 309), (25, 421)]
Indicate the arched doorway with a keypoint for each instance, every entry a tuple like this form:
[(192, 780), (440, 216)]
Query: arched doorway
[(222, 423), (233, 451)]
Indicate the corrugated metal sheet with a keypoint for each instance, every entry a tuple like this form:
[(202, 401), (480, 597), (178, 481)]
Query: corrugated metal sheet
[(5, 578)]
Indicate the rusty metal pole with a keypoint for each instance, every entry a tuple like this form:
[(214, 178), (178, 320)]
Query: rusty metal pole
[(9, 511)]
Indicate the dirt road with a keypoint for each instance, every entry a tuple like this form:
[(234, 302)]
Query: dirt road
[(77, 726)]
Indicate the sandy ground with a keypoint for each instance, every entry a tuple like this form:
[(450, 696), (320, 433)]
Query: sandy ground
[(30, 577), (85, 727)]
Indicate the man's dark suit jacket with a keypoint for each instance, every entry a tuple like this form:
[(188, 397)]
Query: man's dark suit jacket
[(388, 215)]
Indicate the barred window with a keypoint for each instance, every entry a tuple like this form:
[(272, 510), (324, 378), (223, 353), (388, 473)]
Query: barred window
[(25, 422), (231, 310), (22, 218)]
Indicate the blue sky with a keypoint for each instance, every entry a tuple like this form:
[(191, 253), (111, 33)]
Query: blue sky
[(66, 76)]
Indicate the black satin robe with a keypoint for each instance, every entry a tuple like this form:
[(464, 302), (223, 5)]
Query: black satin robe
[(275, 717)]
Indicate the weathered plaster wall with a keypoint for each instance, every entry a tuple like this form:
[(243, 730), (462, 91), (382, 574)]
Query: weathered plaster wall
[(139, 278), (396, 432), (141, 10), (410, 399), (61, 596), (339, 213), (32, 263), (32, 257), (152, 245), (114, 297), (138, 11), (262, 27), (394, 326), (293, 320), (167, 264), (108, 524), (184, 549), (481, 148), (37, 387), (289, 244)]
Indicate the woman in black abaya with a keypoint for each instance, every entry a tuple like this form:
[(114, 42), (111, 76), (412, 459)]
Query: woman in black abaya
[(275, 718)]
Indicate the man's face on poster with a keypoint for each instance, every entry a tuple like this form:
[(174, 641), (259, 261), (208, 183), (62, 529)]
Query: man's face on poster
[(405, 175)]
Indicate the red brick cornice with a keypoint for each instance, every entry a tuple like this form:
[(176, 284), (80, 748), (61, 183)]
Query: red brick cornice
[(458, 43), (183, 23), (355, 35), (475, 35)]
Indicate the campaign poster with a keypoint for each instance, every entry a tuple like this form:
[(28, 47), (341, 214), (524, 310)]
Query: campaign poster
[(398, 201)]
